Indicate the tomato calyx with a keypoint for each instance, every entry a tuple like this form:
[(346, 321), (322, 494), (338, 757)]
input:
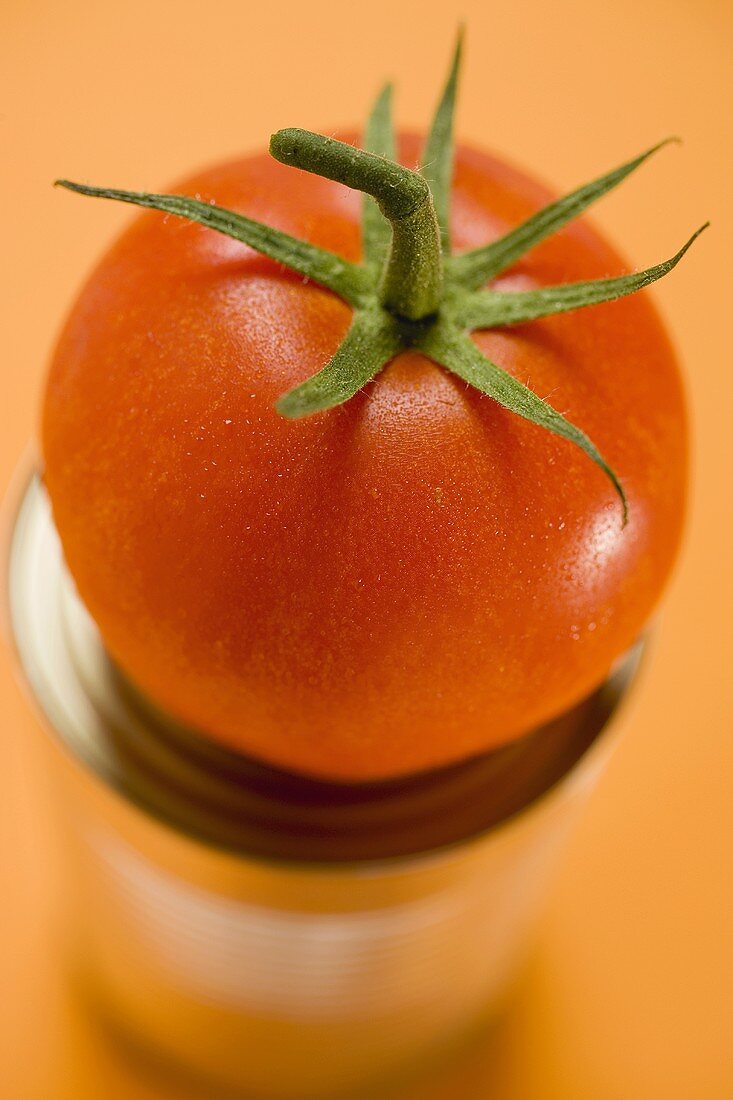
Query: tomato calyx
[(410, 290)]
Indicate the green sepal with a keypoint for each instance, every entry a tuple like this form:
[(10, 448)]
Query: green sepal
[(372, 340), (473, 269), (378, 138), (492, 309), (326, 268), (457, 352), (438, 152)]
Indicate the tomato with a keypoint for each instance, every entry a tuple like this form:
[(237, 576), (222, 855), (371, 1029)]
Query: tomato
[(403, 581)]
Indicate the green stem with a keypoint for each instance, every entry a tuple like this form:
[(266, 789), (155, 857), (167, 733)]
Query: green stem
[(413, 278)]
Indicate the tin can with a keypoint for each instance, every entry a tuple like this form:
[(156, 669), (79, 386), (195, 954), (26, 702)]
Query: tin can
[(267, 932)]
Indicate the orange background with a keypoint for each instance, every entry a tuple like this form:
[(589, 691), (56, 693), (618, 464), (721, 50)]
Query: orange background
[(631, 993)]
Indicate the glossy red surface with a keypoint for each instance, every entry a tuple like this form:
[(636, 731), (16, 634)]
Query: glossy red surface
[(398, 583)]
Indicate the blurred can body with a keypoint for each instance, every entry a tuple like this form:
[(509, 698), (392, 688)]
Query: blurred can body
[(273, 934)]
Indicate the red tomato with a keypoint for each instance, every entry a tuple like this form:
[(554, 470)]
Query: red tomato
[(403, 581)]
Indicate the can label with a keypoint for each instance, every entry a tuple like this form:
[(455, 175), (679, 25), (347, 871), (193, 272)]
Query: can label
[(331, 965)]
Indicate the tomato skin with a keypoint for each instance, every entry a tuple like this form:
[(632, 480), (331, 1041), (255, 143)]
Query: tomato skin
[(404, 581)]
